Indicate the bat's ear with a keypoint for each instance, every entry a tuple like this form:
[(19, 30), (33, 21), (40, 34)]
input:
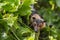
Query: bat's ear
[(33, 12), (41, 16), (44, 21)]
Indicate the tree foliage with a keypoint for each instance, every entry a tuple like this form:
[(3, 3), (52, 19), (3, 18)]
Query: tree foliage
[(49, 9), (12, 26), (11, 23)]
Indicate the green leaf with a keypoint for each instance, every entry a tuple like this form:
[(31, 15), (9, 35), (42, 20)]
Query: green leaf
[(58, 3), (10, 5), (25, 9), (1, 16), (5, 26), (10, 19)]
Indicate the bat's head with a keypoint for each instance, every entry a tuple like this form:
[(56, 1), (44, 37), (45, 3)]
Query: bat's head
[(37, 22)]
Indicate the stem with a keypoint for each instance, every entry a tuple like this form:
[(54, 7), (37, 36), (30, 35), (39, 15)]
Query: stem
[(37, 35), (14, 34)]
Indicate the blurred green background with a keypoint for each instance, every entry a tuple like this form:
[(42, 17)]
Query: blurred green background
[(12, 26)]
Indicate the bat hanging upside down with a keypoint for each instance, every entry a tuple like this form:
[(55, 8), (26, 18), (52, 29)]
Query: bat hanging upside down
[(37, 22)]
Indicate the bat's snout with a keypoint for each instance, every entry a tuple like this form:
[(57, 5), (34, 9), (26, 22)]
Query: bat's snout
[(37, 24)]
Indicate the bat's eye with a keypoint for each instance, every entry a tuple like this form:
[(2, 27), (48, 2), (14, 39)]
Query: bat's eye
[(33, 17)]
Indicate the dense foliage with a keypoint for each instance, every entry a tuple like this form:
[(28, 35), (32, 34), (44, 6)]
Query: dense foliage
[(12, 26), (50, 10)]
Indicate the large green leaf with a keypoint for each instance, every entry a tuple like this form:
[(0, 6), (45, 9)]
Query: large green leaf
[(25, 8), (58, 3), (10, 19)]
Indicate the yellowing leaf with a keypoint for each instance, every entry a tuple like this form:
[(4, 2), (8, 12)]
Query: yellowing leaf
[(32, 37), (52, 5)]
